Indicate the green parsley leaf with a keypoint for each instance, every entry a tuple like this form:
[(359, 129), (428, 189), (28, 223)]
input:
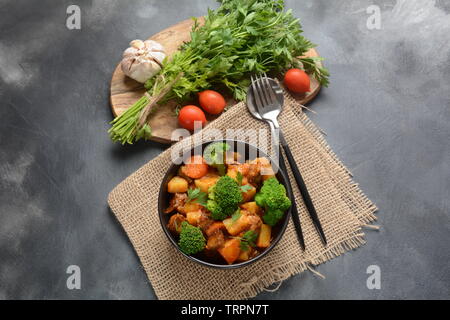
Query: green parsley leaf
[(235, 217), (250, 236), (197, 196), (246, 188), (248, 240), (244, 246), (239, 177)]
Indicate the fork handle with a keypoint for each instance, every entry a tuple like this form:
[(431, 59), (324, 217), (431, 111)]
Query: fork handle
[(303, 190)]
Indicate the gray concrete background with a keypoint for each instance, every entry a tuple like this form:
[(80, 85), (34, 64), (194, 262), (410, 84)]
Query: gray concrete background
[(386, 112)]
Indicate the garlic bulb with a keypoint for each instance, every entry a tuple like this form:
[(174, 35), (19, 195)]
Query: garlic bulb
[(143, 59)]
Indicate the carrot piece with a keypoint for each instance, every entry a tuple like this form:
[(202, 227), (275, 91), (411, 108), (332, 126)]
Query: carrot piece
[(230, 250), (195, 167)]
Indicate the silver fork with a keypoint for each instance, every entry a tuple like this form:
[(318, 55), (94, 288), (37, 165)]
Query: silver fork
[(269, 108), (251, 105)]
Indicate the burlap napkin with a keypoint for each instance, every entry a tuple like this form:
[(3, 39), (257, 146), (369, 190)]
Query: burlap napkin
[(342, 208)]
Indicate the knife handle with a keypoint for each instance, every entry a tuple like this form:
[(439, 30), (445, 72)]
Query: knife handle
[(295, 215)]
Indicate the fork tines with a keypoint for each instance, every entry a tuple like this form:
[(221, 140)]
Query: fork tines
[(264, 94)]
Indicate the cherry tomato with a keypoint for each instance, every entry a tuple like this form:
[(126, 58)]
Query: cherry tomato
[(189, 114), (297, 81), (212, 101)]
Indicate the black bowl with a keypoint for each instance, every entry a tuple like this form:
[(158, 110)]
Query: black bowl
[(250, 153)]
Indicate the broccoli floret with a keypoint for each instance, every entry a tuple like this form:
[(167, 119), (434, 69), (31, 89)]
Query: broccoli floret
[(224, 198), (260, 200), (271, 217), (272, 197), (216, 210), (214, 156), (191, 240)]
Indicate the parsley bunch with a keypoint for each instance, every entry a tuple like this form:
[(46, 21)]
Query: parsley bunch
[(239, 38)]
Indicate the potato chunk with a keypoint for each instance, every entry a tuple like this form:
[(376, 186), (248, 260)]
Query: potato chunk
[(246, 255), (193, 217), (177, 185), (264, 236), (249, 194), (189, 207), (251, 207), (230, 250), (206, 182), (265, 167), (232, 172), (236, 227)]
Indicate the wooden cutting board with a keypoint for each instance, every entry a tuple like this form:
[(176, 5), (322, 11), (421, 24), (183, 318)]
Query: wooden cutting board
[(125, 91)]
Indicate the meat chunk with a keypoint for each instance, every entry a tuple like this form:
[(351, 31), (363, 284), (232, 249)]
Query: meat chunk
[(214, 228), (175, 222), (233, 169), (260, 167), (204, 221), (178, 201), (215, 241), (254, 221), (254, 172), (215, 235)]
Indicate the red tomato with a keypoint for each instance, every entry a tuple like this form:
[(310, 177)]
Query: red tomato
[(297, 81), (188, 115), (212, 101)]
